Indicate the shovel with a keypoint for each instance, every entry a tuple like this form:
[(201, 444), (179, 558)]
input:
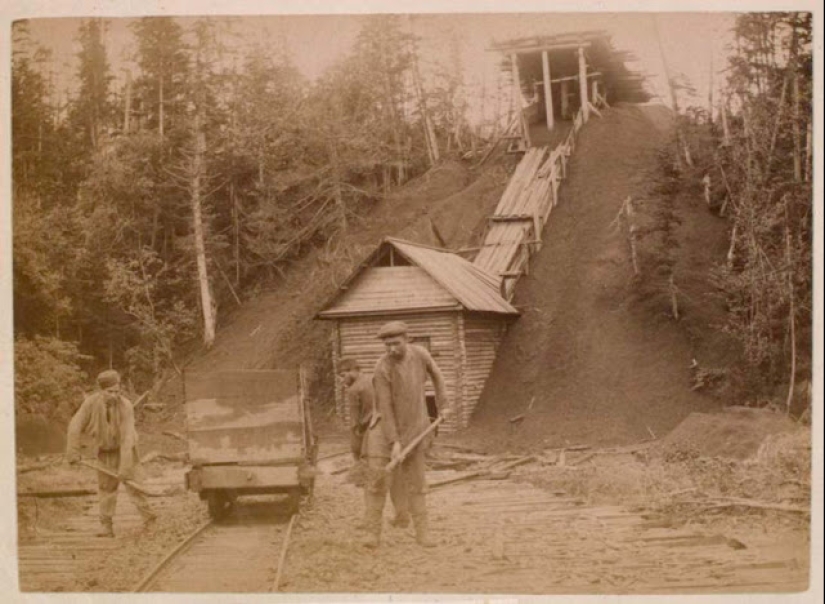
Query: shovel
[(412, 445), (362, 473), (136, 486)]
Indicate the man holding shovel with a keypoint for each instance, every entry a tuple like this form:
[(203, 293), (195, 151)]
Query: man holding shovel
[(399, 380), (109, 419)]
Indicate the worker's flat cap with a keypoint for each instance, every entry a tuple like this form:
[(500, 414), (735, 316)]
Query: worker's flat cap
[(108, 378), (393, 328)]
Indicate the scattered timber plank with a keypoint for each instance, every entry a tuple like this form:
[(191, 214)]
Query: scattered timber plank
[(57, 493), (174, 435), (36, 466), (584, 458), (749, 503), (331, 455), (483, 472)]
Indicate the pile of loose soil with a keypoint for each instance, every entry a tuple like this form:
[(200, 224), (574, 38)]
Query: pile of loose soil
[(592, 362), (735, 433)]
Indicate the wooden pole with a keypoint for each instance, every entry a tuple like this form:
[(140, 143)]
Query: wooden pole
[(723, 110), (127, 110), (565, 99), (585, 104), (525, 129), (548, 91)]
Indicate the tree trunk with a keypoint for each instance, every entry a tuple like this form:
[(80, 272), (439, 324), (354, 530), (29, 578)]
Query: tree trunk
[(336, 186), (723, 109), (797, 135), (710, 89), (160, 104), (672, 89), (236, 233), (127, 109), (207, 304), (429, 132)]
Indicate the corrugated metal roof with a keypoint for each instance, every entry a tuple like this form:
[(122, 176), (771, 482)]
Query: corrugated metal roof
[(471, 286)]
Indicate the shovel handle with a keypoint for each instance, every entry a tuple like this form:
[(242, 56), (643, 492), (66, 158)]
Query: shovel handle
[(132, 484), (412, 445)]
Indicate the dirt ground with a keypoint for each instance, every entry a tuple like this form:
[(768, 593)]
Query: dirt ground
[(597, 521)]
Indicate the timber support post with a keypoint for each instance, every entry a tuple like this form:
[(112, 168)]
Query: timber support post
[(548, 91), (585, 104)]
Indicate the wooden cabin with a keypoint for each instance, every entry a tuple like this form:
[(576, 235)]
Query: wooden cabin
[(453, 308), (554, 77)]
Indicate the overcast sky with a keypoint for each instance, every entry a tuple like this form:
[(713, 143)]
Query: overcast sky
[(316, 41)]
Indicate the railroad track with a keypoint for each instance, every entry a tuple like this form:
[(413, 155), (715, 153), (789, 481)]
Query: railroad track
[(243, 553)]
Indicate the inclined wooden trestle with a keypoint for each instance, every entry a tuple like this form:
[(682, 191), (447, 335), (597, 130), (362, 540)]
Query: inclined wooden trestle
[(513, 232)]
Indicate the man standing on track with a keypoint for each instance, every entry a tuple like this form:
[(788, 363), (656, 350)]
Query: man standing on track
[(109, 419), (366, 440), (399, 380)]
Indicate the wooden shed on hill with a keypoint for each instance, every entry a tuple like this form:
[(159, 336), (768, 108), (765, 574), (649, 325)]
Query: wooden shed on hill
[(452, 307)]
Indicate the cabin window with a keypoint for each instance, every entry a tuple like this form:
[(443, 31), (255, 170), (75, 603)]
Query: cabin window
[(390, 257), (432, 408)]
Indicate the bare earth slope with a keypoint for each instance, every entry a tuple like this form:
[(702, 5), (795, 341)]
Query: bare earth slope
[(597, 368), (445, 207)]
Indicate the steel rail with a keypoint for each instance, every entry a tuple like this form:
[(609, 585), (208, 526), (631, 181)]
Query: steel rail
[(147, 580), (282, 559)]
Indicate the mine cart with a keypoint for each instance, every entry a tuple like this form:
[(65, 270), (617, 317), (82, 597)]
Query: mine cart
[(249, 433)]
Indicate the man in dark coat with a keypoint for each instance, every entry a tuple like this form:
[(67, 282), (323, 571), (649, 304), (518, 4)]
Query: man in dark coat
[(399, 382)]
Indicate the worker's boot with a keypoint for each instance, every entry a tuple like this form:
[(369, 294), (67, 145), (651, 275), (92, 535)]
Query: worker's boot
[(418, 511), (374, 518), (401, 519), (400, 501), (149, 519), (364, 523), (106, 527)]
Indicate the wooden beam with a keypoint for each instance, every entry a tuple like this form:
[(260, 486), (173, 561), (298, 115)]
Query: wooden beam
[(539, 48), (583, 85), (510, 218), (548, 91), (592, 74)]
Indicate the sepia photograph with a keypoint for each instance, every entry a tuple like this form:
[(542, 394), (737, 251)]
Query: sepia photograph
[(391, 300)]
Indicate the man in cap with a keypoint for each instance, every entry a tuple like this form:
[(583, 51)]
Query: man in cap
[(360, 403), (109, 419), (399, 382), (366, 439)]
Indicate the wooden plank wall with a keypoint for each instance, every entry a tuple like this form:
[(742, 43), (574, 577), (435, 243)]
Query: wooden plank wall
[(482, 337), (356, 338)]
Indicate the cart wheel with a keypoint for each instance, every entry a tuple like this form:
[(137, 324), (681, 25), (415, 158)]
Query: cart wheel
[(220, 504)]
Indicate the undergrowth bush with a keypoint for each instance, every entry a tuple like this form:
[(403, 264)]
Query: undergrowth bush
[(47, 372)]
